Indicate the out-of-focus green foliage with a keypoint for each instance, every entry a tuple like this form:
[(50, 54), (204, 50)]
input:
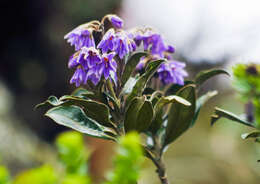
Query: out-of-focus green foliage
[(73, 155), (42, 175), (72, 152), (127, 161), (76, 179), (247, 82), (4, 175)]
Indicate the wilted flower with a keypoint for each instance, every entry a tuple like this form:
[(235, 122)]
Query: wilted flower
[(80, 37), (172, 72), (78, 77)]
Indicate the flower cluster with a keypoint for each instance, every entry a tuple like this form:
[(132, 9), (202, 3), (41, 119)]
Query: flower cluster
[(169, 72), (98, 55)]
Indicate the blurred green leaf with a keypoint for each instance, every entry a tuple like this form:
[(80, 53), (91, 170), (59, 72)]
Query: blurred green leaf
[(202, 76), (128, 160), (42, 175), (131, 65), (93, 109), (4, 175), (72, 152), (142, 81), (250, 135), (75, 118), (200, 102), (76, 179), (180, 116), (219, 113)]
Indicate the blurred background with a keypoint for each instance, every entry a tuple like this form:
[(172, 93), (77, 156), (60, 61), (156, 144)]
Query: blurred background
[(205, 33)]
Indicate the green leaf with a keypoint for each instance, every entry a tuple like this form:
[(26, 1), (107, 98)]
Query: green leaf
[(81, 92), (158, 109), (170, 99), (52, 100), (200, 102), (174, 88), (130, 122), (180, 116), (219, 113), (250, 135), (131, 65), (128, 87), (75, 118), (205, 75), (144, 117), (93, 109), (142, 81)]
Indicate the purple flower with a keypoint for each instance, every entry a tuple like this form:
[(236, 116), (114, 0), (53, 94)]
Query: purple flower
[(108, 65), (116, 21), (93, 75), (89, 57), (172, 72), (80, 37), (142, 63), (73, 61), (170, 49), (108, 41), (124, 44), (78, 77), (158, 45)]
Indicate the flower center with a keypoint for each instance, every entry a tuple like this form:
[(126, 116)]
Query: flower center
[(105, 59)]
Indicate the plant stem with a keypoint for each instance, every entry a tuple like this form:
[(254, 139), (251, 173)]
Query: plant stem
[(160, 168), (162, 172), (156, 158)]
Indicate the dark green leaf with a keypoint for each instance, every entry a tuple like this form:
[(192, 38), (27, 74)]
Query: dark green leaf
[(158, 110), (142, 81), (81, 92), (132, 112), (144, 116), (75, 118), (219, 113), (131, 65), (93, 109), (200, 102), (52, 100), (180, 116), (170, 99), (174, 88), (205, 75), (250, 135)]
